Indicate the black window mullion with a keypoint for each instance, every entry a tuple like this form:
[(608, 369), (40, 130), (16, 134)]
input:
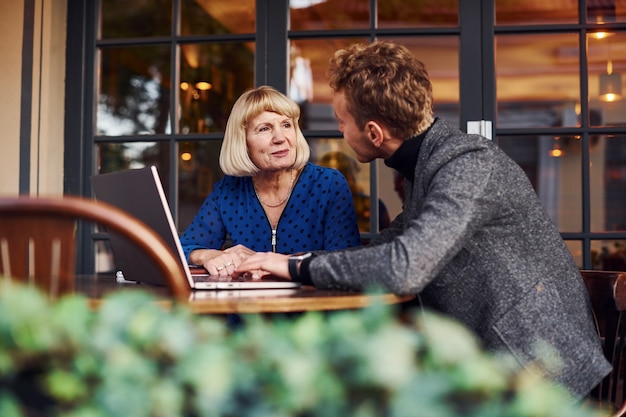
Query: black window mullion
[(261, 44), (75, 98), (585, 171), (272, 46), (476, 63), (79, 154), (175, 82), (488, 8)]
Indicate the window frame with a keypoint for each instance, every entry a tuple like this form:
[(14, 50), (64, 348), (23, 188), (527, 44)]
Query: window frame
[(477, 32)]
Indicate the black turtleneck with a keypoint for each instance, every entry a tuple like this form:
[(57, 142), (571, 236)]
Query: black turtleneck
[(404, 158)]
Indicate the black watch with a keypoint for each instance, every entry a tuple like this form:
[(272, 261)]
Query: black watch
[(294, 265)]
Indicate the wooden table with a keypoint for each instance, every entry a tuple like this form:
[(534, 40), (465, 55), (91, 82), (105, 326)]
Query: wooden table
[(302, 299)]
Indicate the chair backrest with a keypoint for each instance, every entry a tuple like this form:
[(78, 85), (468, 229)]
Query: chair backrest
[(38, 242), (607, 291)]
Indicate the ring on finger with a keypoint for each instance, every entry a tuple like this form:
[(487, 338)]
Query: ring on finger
[(219, 268)]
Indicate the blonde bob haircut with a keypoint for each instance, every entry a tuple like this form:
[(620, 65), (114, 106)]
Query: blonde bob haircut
[(234, 157)]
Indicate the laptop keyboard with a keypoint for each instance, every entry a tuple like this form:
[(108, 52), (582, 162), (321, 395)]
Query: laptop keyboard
[(213, 278)]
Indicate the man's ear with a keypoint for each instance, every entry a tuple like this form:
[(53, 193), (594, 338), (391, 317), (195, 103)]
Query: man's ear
[(374, 133)]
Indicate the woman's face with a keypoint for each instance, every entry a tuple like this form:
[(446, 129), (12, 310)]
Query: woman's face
[(271, 140)]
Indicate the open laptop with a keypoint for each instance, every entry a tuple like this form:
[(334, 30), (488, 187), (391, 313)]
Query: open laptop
[(140, 193)]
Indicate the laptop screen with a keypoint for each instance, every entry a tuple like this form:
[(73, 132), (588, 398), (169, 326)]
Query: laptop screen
[(139, 192)]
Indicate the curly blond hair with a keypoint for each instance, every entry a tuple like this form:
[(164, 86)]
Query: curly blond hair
[(384, 82)]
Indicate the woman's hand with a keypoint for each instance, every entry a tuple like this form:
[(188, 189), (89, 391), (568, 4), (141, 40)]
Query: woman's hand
[(264, 263), (218, 262)]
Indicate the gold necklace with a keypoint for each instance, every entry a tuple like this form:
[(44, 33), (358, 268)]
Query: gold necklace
[(281, 202)]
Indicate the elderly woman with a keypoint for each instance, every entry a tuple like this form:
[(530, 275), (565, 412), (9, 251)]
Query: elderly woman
[(271, 198)]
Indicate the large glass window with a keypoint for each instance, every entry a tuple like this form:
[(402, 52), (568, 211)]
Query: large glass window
[(212, 76), (134, 90), (166, 73), (317, 30), (174, 80), (211, 17), (537, 79), (560, 115), (605, 65), (137, 19)]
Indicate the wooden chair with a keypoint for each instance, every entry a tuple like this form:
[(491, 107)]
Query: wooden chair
[(37, 241), (607, 291)]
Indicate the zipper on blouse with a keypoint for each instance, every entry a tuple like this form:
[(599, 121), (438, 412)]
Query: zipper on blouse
[(274, 237), (274, 240)]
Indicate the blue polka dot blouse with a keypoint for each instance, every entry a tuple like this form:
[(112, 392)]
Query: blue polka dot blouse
[(319, 215)]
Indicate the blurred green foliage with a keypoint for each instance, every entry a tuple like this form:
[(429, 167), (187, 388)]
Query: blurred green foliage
[(133, 358)]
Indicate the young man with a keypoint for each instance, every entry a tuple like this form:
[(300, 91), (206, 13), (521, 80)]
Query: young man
[(473, 240)]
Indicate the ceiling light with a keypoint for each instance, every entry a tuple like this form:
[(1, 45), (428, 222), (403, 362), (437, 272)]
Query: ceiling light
[(610, 86), (556, 153), (203, 85), (601, 35)]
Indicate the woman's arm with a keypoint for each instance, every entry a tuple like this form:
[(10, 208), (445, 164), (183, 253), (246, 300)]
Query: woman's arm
[(207, 230), (220, 262)]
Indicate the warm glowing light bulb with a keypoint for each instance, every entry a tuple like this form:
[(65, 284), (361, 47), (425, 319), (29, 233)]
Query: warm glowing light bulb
[(184, 86), (203, 85), (555, 153), (601, 35), (610, 85), (185, 156), (611, 97)]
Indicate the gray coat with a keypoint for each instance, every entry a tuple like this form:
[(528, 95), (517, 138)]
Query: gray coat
[(475, 243)]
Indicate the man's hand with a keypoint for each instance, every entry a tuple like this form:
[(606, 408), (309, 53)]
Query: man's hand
[(263, 263)]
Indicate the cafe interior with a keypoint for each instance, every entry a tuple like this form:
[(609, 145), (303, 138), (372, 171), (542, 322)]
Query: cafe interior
[(98, 86), (94, 87)]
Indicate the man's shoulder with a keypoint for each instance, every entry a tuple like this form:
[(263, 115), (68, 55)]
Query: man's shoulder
[(445, 139), (442, 131)]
